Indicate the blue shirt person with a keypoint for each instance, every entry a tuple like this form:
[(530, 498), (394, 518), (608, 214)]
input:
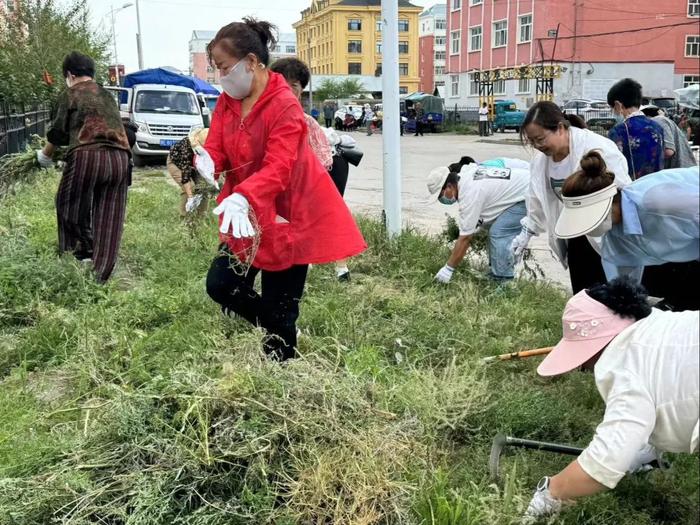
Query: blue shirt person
[(660, 222), (641, 141)]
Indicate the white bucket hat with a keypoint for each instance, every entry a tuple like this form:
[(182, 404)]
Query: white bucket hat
[(585, 213), (436, 180)]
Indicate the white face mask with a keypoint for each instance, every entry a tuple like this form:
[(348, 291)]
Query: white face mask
[(603, 228), (239, 81)]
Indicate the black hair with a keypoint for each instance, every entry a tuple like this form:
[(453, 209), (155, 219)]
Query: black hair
[(292, 69), (651, 111), (239, 39), (591, 177), (623, 296), (626, 91), (549, 116), (78, 65), (456, 167), (452, 178)]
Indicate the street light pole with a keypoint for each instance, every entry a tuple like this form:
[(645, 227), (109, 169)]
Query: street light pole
[(113, 14), (138, 35), (392, 122)]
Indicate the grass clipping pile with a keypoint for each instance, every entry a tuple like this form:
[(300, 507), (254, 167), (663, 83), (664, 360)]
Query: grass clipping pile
[(16, 169), (301, 443)]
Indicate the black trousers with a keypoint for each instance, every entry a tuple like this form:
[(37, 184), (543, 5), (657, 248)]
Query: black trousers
[(329, 122), (676, 283), (419, 128), (276, 308), (339, 173), (585, 267)]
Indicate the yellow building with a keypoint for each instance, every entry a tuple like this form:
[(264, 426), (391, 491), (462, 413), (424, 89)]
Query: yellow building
[(343, 37)]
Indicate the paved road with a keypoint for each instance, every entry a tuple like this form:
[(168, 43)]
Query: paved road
[(418, 156)]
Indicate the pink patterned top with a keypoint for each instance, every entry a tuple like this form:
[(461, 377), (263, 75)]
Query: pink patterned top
[(319, 142)]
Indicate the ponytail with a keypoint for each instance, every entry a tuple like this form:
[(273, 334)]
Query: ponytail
[(250, 36), (623, 296)]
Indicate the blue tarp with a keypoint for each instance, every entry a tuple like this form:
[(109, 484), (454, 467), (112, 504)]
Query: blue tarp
[(163, 76)]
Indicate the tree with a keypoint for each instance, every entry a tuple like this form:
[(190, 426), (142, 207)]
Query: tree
[(332, 89), (34, 41)]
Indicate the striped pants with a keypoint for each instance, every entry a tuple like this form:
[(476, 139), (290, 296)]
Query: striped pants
[(91, 204)]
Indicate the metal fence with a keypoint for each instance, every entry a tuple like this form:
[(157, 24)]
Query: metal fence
[(18, 123), (455, 114)]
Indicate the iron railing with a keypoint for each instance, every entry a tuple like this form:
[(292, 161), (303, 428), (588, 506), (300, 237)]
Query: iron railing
[(18, 123)]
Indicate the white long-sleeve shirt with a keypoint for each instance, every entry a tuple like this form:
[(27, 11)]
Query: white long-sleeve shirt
[(544, 205), (649, 377)]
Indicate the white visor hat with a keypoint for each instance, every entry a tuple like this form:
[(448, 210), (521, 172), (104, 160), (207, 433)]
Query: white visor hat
[(585, 213)]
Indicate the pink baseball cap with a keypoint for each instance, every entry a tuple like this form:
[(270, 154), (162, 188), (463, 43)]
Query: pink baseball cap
[(588, 326)]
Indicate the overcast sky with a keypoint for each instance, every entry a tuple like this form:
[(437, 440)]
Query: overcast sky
[(167, 25)]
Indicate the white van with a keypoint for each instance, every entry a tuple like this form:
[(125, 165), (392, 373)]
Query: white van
[(164, 114)]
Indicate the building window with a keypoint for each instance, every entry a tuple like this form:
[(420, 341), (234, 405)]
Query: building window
[(456, 4), (524, 85), (689, 80), (290, 49), (379, 48), (525, 28), (355, 46), (354, 68), (473, 86), (440, 55), (440, 23), (378, 24), (476, 2), (10, 4), (439, 70), (475, 38), (403, 90), (378, 70), (692, 46), (403, 26), (403, 70), (354, 24), (403, 47), (693, 7), (500, 33), (276, 49), (499, 87), (454, 82), (440, 40), (455, 40)]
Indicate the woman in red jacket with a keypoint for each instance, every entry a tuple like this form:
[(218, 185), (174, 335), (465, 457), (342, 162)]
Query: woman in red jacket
[(258, 139)]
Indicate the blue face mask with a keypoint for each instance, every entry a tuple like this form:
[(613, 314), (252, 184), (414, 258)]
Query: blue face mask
[(619, 118), (447, 200)]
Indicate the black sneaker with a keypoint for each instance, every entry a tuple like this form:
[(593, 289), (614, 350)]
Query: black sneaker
[(344, 277)]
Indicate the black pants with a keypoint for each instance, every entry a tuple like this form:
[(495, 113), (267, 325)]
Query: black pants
[(585, 267), (419, 128), (275, 309), (339, 173), (329, 122), (483, 128), (676, 283)]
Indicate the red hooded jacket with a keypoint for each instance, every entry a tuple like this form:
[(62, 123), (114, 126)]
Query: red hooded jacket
[(267, 157)]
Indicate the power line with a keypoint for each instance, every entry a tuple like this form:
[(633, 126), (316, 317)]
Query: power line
[(620, 32)]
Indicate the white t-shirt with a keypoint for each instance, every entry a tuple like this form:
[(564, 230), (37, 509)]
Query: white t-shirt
[(485, 192), (649, 377), (559, 171), (483, 114)]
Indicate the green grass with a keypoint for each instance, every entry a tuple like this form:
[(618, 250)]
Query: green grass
[(137, 403)]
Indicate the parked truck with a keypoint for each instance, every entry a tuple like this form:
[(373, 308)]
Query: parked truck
[(165, 107)]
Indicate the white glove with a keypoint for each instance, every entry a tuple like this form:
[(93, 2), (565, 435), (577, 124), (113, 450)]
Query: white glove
[(445, 274), (517, 247), (641, 460), (205, 166), (44, 160), (332, 136), (235, 208), (347, 141), (542, 504), (193, 203)]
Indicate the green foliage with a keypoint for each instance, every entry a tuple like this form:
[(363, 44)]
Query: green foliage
[(137, 403), (333, 89), (37, 39)]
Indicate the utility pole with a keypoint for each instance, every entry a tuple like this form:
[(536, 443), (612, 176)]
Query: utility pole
[(392, 117), (311, 74), (138, 35)]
